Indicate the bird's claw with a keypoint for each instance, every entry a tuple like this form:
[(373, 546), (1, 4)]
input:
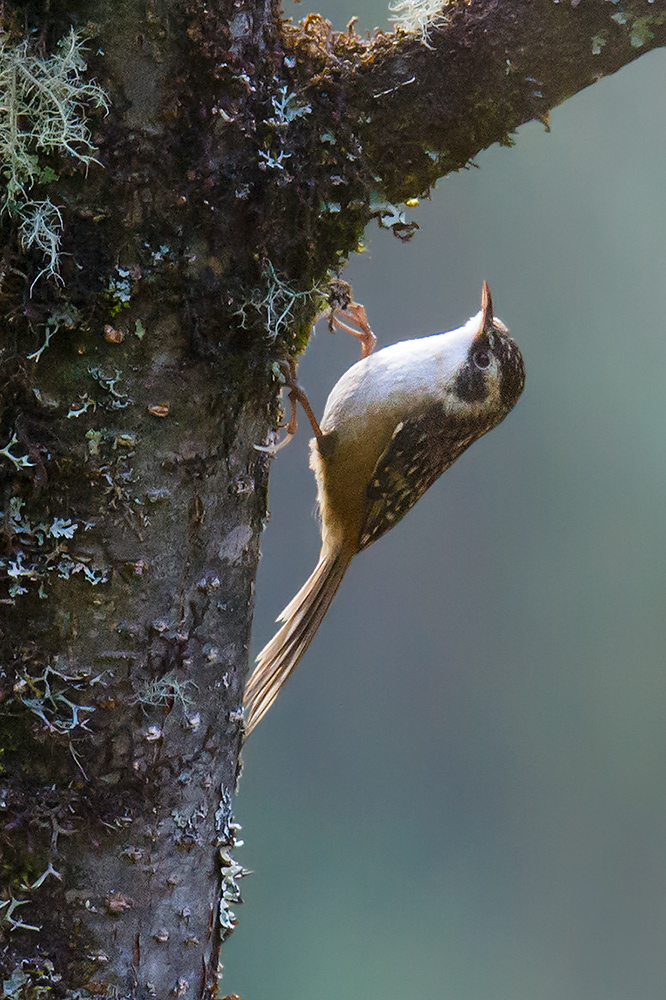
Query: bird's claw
[(355, 313), (273, 449)]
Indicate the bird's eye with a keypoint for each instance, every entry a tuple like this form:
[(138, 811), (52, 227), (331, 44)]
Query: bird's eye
[(482, 359)]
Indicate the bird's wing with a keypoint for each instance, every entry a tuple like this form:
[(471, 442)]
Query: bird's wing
[(420, 450)]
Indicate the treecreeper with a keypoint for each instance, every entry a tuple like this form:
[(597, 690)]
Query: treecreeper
[(392, 424)]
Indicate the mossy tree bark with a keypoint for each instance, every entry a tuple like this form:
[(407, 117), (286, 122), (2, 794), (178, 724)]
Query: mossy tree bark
[(240, 161)]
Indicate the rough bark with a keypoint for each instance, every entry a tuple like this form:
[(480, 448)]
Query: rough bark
[(132, 512), (239, 164)]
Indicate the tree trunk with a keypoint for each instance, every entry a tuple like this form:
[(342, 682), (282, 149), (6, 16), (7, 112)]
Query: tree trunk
[(133, 500), (239, 162)]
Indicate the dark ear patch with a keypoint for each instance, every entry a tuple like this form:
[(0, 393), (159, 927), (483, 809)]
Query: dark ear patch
[(471, 385), (512, 368)]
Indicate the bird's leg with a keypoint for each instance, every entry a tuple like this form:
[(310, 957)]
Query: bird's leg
[(355, 313), (296, 395)]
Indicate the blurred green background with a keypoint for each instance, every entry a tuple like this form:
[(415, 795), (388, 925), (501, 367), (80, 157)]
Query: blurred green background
[(461, 794)]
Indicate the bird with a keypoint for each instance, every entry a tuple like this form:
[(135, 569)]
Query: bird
[(392, 424)]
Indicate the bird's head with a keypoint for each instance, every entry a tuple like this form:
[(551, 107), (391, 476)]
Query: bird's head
[(491, 374)]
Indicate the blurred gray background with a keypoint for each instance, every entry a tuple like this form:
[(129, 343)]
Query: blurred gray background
[(461, 794)]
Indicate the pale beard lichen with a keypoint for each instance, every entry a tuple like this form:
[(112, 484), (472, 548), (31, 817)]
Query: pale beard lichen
[(418, 17), (42, 228), (276, 302), (42, 112)]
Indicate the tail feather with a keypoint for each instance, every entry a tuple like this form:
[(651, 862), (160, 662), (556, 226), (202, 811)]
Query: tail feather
[(302, 618)]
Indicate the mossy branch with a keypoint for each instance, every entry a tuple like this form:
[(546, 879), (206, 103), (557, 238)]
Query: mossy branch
[(450, 82)]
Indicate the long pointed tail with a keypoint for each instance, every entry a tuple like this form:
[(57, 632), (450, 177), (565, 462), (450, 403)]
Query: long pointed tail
[(302, 618)]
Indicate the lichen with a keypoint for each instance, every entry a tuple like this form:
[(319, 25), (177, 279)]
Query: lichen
[(40, 549), (64, 316), (43, 106), (19, 461), (37, 979), (231, 871), (276, 303), (119, 290), (8, 908), (640, 28), (286, 109), (44, 695), (598, 43), (419, 17), (391, 217), (115, 400), (41, 228), (164, 690)]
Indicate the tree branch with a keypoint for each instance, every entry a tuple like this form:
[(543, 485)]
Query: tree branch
[(426, 107)]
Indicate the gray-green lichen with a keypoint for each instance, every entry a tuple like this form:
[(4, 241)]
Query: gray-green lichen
[(277, 304), (641, 29), (41, 549), (44, 695), (42, 114), (231, 871), (162, 691)]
